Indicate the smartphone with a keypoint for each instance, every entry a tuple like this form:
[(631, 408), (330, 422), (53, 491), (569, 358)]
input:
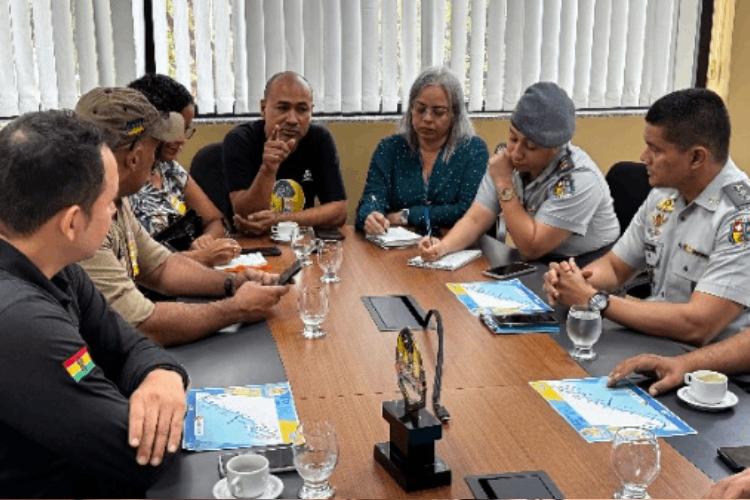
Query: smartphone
[(280, 458), (265, 251), (546, 318), (328, 233), (736, 458), (288, 274), (510, 271)]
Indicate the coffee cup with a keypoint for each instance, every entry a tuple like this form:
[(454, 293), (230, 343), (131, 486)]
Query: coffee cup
[(283, 230), (247, 475), (707, 386)]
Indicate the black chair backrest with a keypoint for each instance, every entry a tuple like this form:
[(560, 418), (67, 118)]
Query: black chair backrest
[(207, 169), (628, 183)]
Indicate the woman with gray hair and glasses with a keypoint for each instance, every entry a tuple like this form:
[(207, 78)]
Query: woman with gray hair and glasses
[(427, 174)]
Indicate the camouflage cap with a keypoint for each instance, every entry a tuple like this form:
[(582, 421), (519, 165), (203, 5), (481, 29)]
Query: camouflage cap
[(125, 115)]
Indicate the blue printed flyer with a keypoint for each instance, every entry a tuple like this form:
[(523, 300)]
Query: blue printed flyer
[(220, 418)]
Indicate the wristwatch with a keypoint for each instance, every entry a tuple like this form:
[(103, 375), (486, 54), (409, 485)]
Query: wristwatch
[(230, 285), (507, 194), (403, 216), (599, 301)]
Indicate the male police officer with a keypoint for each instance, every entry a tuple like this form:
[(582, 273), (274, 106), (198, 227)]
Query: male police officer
[(692, 233)]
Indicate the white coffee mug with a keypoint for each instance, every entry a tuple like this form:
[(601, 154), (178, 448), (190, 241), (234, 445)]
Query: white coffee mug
[(283, 230), (707, 386), (247, 475)]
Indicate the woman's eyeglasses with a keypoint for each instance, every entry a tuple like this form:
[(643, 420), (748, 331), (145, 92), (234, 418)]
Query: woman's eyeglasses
[(437, 111), (189, 132)]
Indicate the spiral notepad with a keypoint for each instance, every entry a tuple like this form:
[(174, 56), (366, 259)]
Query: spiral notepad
[(449, 262)]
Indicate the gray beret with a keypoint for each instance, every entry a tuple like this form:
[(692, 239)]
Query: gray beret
[(545, 115)]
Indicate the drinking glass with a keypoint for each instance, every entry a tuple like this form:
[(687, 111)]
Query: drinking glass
[(635, 459), (303, 243), (313, 307), (315, 455), (584, 327), (330, 256)]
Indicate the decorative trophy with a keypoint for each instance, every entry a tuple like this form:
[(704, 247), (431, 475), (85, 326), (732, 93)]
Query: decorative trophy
[(409, 456)]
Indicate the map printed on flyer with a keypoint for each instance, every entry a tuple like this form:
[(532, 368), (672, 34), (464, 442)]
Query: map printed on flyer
[(597, 411), (498, 297), (220, 418)]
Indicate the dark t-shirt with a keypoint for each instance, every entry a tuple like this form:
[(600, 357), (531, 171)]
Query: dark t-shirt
[(314, 163), (70, 364)]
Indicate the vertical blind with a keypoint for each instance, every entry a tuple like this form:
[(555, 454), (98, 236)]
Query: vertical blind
[(360, 56)]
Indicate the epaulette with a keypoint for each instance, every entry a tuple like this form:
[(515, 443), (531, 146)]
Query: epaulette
[(738, 192), (566, 162)]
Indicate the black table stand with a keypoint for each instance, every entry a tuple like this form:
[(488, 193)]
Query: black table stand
[(409, 456)]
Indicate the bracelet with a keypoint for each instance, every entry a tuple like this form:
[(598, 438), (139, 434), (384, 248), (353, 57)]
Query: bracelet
[(229, 286)]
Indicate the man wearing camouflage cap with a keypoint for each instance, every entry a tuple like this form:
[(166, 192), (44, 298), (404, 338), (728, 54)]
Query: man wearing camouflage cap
[(546, 194), (133, 130)]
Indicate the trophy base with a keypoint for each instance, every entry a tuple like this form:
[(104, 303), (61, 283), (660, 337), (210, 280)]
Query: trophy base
[(419, 478)]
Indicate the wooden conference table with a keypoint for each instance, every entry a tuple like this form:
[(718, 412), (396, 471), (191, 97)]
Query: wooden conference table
[(499, 423)]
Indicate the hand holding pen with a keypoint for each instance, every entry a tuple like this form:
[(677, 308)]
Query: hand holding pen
[(376, 222), (430, 248)]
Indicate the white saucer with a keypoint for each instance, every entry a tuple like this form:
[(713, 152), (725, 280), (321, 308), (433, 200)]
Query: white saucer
[(730, 399), (281, 240), (273, 489)]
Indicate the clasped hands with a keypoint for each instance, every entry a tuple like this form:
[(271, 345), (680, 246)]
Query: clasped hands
[(565, 283), (258, 223)]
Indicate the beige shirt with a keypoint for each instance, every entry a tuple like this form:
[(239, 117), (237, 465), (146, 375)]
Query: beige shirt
[(128, 252)]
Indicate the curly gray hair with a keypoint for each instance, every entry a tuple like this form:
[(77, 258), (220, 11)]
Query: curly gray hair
[(461, 127)]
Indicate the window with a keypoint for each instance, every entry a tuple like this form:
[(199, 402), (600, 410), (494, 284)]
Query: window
[(360, 56)]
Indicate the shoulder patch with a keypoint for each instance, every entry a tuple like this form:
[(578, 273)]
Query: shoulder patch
[(738, 192), (79, 364), (564, 187)]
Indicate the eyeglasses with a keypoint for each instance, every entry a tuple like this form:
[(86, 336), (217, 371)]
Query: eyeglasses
[(437, 111), (189, 132)]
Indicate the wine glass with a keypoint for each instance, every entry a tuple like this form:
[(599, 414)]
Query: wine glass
[(316, 452), (635, 459), (584, 327), (330, 256), (313, 308), (303, 243)]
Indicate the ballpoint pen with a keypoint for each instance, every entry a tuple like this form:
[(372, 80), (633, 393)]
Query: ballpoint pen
[(428, 225)]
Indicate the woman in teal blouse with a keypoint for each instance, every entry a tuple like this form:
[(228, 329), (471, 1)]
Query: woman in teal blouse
[(432, 168)]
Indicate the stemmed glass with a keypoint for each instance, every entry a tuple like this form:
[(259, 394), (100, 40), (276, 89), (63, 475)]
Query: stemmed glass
[(635, 459), (313, 308), (584, 327), (316, 452), (330, 256), (303, 243)]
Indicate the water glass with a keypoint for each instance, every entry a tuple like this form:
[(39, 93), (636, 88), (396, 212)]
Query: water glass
[(635, 460), (584, 327), (303, 243), (313, 308), (316, 452), (330, 256)]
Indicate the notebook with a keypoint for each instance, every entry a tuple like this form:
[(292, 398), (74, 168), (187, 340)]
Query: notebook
[(449, 262), (395, 237)]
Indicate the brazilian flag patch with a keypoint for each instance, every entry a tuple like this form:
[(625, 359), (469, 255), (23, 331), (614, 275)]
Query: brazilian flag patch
[(79, 364)]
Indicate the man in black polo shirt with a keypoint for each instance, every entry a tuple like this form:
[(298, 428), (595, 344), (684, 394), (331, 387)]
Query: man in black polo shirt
[(284, 147), (89, 405)]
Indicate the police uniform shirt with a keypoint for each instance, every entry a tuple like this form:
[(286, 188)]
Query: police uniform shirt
[(571, 194), (703, 246)]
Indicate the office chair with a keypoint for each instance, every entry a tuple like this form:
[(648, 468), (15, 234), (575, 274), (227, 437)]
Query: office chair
[(208, 171), (628, 184)]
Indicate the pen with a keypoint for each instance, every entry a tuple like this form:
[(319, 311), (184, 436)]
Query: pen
[(427, 223)]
